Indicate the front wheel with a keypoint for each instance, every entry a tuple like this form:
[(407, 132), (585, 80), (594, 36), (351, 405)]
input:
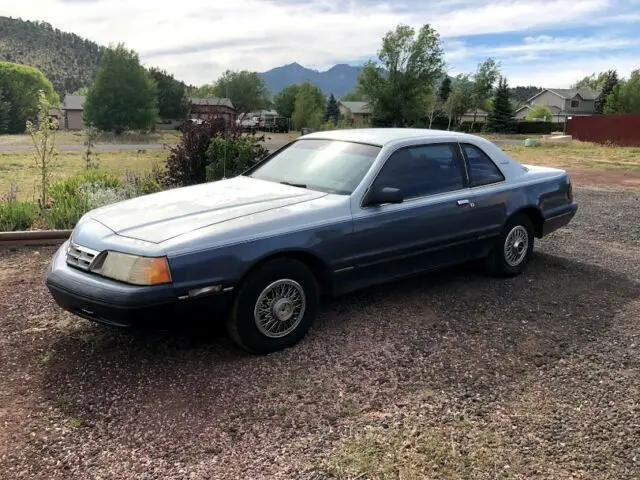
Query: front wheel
[(513, 248), (274, 307)]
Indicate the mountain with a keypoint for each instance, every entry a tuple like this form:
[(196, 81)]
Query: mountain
[(69, 61), (522, 94), (339, 79)]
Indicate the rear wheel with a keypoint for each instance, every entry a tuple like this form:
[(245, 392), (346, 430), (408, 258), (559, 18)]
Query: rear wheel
[(274, 307), (513, 248)]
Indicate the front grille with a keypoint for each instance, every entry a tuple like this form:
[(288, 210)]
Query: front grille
[(80, 257)]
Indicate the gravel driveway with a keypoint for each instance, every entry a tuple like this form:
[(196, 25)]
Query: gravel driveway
[(452, 376)]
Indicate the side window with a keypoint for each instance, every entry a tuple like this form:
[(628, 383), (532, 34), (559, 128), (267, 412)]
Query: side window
[(482, 170), (422, 170)]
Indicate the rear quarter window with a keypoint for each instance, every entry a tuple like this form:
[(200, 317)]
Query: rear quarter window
[(482, 170)]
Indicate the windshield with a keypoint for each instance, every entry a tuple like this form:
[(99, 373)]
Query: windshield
[(326, 165)]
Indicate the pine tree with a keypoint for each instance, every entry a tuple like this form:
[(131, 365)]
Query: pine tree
[(501, 116), (333, 112), (445, 90), (608, 87)]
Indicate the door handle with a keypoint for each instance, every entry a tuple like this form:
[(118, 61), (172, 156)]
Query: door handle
[(464, 202)]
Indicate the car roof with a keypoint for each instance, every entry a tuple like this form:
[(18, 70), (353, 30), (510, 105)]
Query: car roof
[(383, 136)]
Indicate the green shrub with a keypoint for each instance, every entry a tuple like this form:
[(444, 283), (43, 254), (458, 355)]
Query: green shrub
[(98, 195), (73, 197), (15, 215), (527, 127), (230, 155), (187, 162), (145, 183)]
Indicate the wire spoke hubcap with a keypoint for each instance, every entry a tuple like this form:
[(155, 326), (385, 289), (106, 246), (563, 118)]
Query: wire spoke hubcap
[(516, 246), (280, 308)]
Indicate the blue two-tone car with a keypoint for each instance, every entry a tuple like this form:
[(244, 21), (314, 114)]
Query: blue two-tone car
[(328, 213)]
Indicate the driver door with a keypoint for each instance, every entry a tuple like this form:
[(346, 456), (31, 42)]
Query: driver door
[(429, 229)]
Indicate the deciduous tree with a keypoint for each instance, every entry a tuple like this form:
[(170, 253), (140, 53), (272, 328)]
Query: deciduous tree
[(352, 96), (309, 108), (625, 97), (43, 136), (5, 108), (540, 112), (484, 79), (246, 90), (123, 96), (285, 101), (21, 86), (436, 100), (172, 98), (397, 88), (460, 99), (595, 81)]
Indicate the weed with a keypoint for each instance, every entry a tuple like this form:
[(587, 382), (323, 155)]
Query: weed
[(76, 422), (47, 357)]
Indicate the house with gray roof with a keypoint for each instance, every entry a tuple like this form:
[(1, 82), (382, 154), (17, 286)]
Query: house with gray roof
[(72, 112), (563, 103), (358, 111)]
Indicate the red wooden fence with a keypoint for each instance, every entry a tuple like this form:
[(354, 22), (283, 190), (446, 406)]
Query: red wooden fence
[(617, 129)]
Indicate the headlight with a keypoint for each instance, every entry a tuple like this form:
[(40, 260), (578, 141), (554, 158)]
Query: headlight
[(133, 269)]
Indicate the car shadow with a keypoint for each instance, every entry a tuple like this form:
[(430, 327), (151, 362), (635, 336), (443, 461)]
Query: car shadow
[(455, 330)]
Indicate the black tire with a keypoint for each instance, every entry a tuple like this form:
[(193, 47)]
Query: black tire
[(242, 325), (497, 262)]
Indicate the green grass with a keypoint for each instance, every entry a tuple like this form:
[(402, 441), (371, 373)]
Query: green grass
[(68, 137), (578, 155), (20, 169)]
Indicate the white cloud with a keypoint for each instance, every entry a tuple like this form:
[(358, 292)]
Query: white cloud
[(198, 39), (561, 74), (513, 16)]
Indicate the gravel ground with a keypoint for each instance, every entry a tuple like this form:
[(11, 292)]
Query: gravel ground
[(452, 376)]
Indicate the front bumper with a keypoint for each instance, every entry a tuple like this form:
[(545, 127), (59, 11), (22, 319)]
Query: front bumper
[(120, 305)]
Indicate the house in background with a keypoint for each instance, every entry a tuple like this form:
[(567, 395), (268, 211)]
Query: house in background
[(212, 107), (71, 117), (358, 111), (72, 110), (481, 116), (563, 103)]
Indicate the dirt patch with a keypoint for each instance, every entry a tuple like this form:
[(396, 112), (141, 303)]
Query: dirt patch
[(605, 178)]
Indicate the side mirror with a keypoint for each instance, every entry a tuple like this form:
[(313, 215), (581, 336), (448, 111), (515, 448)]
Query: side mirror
[(383, 195)]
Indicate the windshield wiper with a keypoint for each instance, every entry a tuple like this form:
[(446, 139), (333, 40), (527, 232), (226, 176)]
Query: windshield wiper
[(299, 185)]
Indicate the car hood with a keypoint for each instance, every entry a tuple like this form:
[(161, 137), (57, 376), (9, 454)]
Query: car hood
[(161, 216)]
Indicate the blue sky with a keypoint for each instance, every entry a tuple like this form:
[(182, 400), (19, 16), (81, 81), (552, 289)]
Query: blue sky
[(538, 42)]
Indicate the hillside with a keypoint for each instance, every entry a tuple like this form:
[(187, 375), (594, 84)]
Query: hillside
[(68, 60), (339, 79)]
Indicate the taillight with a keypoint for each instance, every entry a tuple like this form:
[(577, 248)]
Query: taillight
[(569, 190)]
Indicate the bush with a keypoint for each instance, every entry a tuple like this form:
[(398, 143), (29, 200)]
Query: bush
[(232, 154), (98, 195), (541, 128), (73, 197), (187, 162), (15, 215), (144, 183)]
